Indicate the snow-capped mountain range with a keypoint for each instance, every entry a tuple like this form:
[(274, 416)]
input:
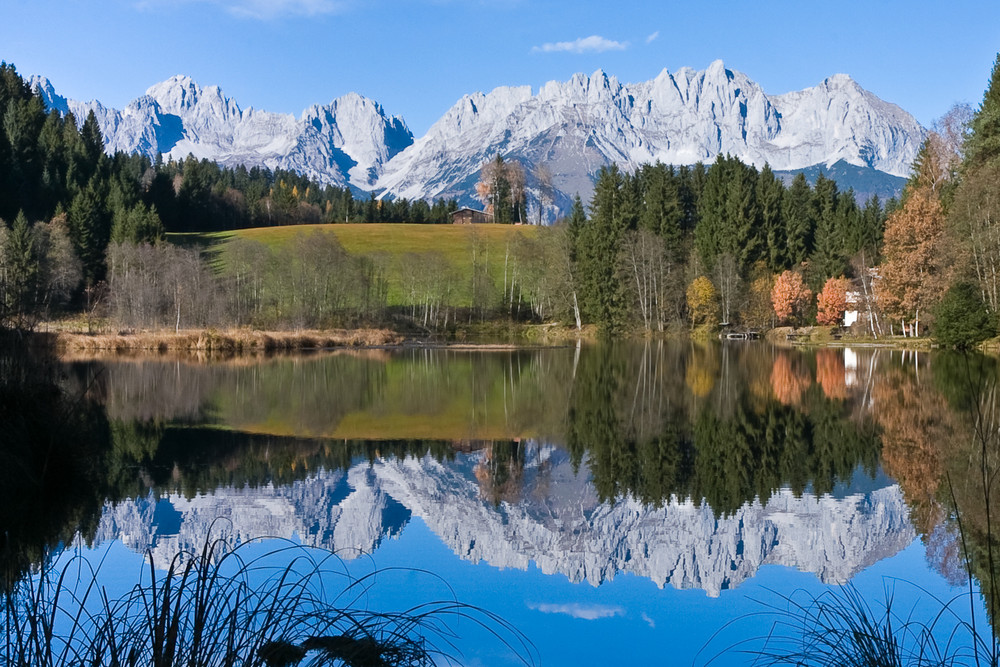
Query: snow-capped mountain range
[(573, 127), (559, 523), (345, 142)]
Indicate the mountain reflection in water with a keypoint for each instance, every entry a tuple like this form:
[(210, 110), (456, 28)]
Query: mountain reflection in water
[(688, 465), (560, 524)]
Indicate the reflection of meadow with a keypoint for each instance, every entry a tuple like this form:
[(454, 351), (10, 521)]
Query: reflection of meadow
[(430, 394)]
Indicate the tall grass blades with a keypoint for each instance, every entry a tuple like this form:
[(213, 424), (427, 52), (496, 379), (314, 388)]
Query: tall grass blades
[(840, 628), (217, 608)]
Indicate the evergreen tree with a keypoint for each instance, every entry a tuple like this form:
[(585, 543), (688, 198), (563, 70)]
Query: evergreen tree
[(827, 259), (869, 236), (769, 197), (502, 209), (711, 237), (138, 224), (20, 271), (662, 212), (983, 143), (848, 224), (799, 220), (729, 221), (961, 320), (575, 223), (52, 153), (604, 293), (690, 181), (87, 231), (748, 243)]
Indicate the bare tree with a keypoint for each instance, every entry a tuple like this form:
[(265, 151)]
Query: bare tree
[(861, 264), (61, 270), (727, 280), (501, 188), (515, 177), (546, 189), (655, 278), (162, 285)]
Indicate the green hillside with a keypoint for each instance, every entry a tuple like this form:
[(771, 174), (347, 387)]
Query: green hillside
[(406, 251)]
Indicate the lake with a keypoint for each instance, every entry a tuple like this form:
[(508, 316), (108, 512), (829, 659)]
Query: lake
[(654, 503)]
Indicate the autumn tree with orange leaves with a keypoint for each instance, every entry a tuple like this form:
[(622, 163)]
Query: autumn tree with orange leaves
[(790, 297), (788, 381), (910, 276), (831, 373), (832, 301)]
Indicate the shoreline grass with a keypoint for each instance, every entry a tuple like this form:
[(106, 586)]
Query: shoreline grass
[(215, 607), (235, 341)]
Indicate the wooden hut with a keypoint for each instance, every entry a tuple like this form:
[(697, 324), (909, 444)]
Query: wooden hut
[(470, 216)]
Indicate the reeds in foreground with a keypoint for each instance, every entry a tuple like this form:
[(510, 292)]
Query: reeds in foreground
[(216, 608), (840, 628)]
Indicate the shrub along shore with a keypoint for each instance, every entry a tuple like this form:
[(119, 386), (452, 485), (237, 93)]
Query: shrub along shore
[(232, 341), (236, 342)]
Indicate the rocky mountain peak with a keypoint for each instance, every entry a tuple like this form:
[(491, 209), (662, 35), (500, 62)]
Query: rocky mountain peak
[(42, 86), (717, 71), (574, 127), (590, 121), (346, 142)]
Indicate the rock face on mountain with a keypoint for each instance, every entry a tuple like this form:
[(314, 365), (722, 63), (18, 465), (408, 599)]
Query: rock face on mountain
[(573, 127), (331, 509), (345, 142), (559, 523), (682, 118)]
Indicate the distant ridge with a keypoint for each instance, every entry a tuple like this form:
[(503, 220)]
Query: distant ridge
[(573, 127), (864, 180)]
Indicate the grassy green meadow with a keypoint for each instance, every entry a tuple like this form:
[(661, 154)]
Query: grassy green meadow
[(394, 243)]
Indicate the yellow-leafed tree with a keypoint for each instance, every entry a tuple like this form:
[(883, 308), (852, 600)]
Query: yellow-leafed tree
[(702, 302)]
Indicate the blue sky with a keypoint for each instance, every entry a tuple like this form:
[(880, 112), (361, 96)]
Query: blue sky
[(417, 57)]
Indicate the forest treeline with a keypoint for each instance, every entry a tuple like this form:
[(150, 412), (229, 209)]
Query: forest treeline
[(743, 249), (64, 201), (663, 248)]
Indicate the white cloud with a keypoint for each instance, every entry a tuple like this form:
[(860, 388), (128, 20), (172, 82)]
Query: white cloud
[(582, 612), (649, 621), (268, 9), (592, 44), (260, 9), (652, 38)]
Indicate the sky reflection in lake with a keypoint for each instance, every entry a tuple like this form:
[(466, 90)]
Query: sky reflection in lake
[(560, 489)]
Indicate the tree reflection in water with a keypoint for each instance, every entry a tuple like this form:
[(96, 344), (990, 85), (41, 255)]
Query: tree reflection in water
[(721, 425)]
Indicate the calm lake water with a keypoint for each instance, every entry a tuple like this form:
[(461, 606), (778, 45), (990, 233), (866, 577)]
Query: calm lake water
[(631, 504)]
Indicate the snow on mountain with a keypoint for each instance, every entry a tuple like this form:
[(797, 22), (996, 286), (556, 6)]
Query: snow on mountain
[(578, 126), (559, 523), (573, 127), (345, 142), (339, 511)]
